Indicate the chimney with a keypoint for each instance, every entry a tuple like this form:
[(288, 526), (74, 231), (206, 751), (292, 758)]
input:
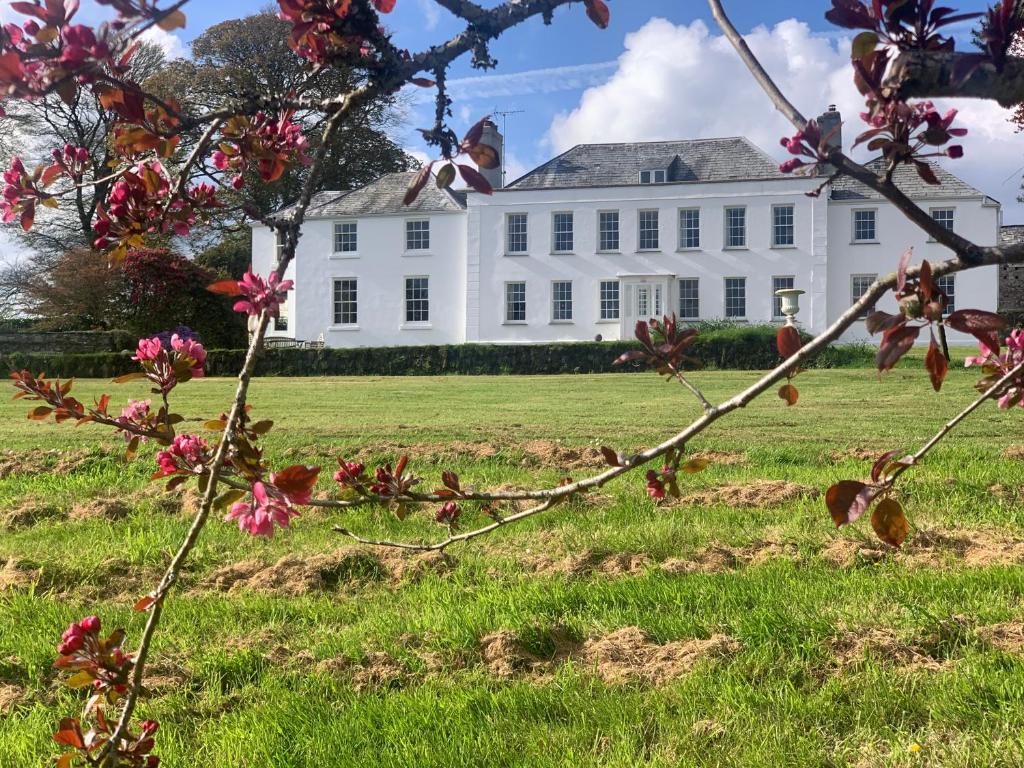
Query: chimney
[(492, 136), (830, 121)]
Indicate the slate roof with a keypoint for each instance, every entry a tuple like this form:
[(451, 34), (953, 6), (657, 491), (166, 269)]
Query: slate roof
[(906, 178), (1011, 234), (614, 165), (383, 196)]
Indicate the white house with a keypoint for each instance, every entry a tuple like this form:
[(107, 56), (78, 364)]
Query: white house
[(606, 234)]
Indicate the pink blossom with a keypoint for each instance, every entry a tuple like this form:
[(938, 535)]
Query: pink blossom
[(997, 364), (187, 454), (193, 350), (262, 294), (134, 414), (655, 488), (267, 506), (149, 349)]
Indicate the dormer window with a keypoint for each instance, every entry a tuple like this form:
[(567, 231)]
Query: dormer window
[(653, 176)]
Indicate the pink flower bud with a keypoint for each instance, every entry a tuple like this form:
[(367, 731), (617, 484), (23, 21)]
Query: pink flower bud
[(90, 624), (955, 151)]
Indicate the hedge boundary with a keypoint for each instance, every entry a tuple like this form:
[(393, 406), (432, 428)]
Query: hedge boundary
[(739, 348)]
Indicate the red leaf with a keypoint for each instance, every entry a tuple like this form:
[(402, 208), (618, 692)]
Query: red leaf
[(890, 523), (789, 393), (417, 184), (901, 270), (847, 500), (788, 341), (225, 287), (628, 357), (597, 12), (28, 216), (475, 179), (296, 480), (879, 465), (485, 156), (144, 603), (610, 456), (882, 321), (936, 364), (474, 134), (70, 733), (423, 82), (929, 290), (974, 321), (895, 344)]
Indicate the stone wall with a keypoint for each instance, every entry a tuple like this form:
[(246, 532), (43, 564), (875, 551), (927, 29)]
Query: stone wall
[(68, 342), (1011, 276)]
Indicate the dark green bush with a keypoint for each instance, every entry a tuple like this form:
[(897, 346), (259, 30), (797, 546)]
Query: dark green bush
[(736, 348)]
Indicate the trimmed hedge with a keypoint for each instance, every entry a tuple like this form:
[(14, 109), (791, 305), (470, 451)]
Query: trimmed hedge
[(738, 348)]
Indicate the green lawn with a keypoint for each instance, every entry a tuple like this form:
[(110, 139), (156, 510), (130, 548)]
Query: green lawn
[(835, 651)]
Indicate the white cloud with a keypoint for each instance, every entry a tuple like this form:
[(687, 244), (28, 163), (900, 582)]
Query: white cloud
[(173, 47), (431, 14), (681, 81)]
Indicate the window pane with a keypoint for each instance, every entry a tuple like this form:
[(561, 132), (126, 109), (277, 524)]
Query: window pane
[(345, 300), (944, 216), (417, 235), (515, 302), (689, 302), (947, 284), (735, 227), (778, 284), (562, 223), (281, 320), (516, 242), (859, 285), (345, 237), (689, 228), (864, 225), (417, 300), (561, 300), (648, 230), (782, 225), (735, 297), (609, 299), (608, 231)]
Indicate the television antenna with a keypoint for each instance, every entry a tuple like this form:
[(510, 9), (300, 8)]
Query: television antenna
[(504, 114)]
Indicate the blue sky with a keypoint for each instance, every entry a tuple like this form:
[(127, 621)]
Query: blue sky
[(660, 71)]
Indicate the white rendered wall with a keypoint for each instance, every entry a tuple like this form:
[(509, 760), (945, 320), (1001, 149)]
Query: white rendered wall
[(975, 219), (586, 267), (380, 265)]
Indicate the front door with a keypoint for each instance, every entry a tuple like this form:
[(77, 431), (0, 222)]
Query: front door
[(644, 298)]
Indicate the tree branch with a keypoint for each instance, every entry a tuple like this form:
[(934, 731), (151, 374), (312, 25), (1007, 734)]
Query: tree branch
[(961, 246), (464, 9), (935, 74)]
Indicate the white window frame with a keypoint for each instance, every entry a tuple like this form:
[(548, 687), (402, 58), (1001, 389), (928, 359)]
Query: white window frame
[(554, 302), (601, 317), (653, 174), (777, 300), (417, 251), (952, 223), (792, 225), (618, 232), (680, 244), (725, 224), (855, 297), (853, 225), (951, 306), (508, 321), (525, 233), (337, 324), (343, 254), (640, 230), (281, 318), (696, 281), (406, 299), (725, 298), (278, 244), (571, 231)]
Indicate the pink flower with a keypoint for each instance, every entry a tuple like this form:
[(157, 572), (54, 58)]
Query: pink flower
[(149, 349), (998, 364), (262, 294), (187, 455), (193, 350), (655, 488), (134, 414), (267, 506)]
